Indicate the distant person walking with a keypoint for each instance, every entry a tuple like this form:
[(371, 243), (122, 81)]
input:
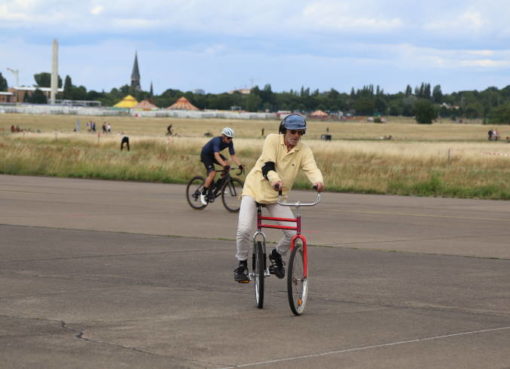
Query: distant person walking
[(124, 142)]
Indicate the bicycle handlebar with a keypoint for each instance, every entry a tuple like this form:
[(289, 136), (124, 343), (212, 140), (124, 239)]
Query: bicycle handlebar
[(299, 203), (241, 170)]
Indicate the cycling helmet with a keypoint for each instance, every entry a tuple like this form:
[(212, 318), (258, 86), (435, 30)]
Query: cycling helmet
[(292, 121), (229, 132)]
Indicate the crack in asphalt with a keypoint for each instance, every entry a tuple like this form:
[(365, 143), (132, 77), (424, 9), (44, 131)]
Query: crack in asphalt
[(79, 334)]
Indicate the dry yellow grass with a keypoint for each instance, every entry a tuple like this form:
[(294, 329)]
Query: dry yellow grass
[(401, 129)]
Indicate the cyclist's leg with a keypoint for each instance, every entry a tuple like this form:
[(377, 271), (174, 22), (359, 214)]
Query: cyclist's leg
[(209, 162), (209, 167), (209, 180), (279, 211), (211, 173)]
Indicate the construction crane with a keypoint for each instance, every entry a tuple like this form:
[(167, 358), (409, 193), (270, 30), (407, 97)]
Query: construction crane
[(16, 74)]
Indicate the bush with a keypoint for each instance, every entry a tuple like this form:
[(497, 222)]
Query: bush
[(425, 112)]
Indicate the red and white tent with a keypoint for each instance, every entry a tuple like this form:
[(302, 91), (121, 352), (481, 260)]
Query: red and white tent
[(145, 105), (182, 104), (319, 114)]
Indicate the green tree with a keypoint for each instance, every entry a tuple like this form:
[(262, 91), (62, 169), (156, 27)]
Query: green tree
[(365, 106), (380, 105), (500, 114), (426, 91), (68, 87), (94, 95), (221, 101), (38, 97), (268, 98), (408, 104), (43, 79), (395, 108), (437, 94), (3, 83), (423, 91), (425, 111), (474, 110), (79, 93), (252, 102)]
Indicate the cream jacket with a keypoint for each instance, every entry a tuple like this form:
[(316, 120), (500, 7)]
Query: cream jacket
[(287, 165)]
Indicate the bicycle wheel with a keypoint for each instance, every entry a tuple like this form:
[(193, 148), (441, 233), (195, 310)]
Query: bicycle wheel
[(259, 271), (193, 191), (297, 283), (231, 195)]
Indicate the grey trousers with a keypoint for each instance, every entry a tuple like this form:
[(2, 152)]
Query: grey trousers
[(247, 225)]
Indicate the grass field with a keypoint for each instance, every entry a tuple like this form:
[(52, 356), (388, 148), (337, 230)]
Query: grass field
[(401, 129), (443, 159)]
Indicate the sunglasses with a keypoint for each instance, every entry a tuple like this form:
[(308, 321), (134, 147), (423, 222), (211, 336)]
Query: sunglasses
[(294, 131)]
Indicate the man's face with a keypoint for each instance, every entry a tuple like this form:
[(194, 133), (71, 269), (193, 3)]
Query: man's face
[(226, 139), (293, 136)]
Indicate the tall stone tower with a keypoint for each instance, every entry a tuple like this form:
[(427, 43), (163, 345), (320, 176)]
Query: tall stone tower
[(54, 73), (135, 75)]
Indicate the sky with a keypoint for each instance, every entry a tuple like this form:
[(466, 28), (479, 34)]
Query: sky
[(222, 45)]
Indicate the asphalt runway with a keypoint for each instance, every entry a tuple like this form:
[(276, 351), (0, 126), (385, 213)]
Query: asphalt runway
[(102, 274)]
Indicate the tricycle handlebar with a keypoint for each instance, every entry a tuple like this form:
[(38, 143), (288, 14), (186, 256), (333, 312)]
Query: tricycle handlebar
[(298, 203)]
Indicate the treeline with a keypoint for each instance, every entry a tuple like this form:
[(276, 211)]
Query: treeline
[(425, 102)]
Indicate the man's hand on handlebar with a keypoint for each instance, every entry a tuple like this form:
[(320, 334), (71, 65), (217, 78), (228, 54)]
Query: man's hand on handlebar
[(278, 186), (319, 187)]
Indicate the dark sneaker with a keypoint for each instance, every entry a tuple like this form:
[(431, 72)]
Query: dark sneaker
[(241, 274), (276, 266)]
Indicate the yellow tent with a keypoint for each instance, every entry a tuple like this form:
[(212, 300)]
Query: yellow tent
[(127, 102)]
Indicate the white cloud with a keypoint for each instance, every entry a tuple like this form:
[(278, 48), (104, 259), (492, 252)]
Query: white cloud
[(210, 44), (469, 21), (96, 10), (485, 63), (133, 24), (341, 15), (423, 57)]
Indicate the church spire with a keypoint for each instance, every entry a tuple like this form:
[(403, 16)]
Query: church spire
[(135, 75)]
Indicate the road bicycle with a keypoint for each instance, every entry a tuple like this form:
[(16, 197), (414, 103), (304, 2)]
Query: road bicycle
[(297, 272), (228, 187)]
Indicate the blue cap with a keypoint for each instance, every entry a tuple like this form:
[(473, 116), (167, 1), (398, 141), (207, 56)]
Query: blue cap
[(294, 121)]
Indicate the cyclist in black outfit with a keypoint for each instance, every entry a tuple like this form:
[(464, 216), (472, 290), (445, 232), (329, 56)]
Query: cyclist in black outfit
[(211, 155)]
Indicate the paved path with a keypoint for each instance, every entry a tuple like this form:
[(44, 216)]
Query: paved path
[(424, 225), (99, 274)]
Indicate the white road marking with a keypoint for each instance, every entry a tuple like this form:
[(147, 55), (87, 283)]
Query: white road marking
[(364, 348)]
